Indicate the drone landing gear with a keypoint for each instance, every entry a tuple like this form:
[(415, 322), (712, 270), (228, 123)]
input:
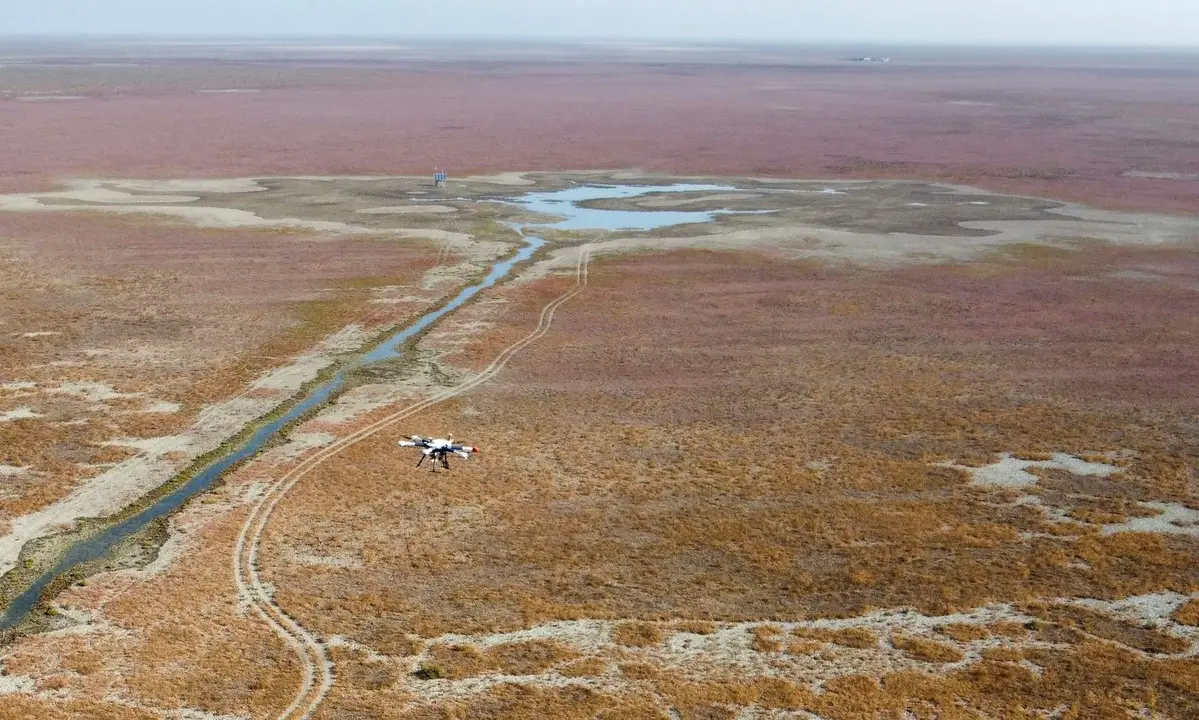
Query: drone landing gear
[(445, 462)]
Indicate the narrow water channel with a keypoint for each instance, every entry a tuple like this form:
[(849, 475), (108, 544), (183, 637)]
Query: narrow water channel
[(563, 203)]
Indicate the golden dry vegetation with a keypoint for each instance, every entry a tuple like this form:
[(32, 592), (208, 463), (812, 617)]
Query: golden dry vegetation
[(705, 441), (164, 641), (723, 482)]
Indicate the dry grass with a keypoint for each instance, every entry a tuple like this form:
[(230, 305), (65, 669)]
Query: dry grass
[(661, 462), (1188, 614), (964, 632), (619, 482), (926, 650), (1093, 623), (175, 313), (698, 627), (637, 634), (847, 637), (767, 639)]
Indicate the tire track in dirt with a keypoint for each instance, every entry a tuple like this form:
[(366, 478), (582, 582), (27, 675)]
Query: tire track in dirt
[(318, 669)]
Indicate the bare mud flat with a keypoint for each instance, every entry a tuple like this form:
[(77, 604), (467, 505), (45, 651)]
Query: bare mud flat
[(867, 449)]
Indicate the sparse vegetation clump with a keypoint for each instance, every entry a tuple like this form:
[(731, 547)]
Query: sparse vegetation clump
[(860, 638), (926, 650), (637, 634)]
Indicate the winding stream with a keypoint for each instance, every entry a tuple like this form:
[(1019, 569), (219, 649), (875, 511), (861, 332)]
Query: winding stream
[(561, 203)]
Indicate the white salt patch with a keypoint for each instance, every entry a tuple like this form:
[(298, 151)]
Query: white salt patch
[(1154, 608), (21, 413), (409, 210), (1011, 472), (348, 339), (1173, 519), (1161, 175), (20, 385), (1136, 275), (978, 202), (40, 333), (13, 684), (163, 407), (91, 391), (337, 561), (190, 714), (154, 446), (915, 204), (508, 178), (49, 98), (12, 470), (292, 377), (831, 191), (229, 186), (300, 443)]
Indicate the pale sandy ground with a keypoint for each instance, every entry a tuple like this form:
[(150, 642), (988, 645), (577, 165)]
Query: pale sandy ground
[(667, 202), (508, 178), (730, 647), (842, 246), (162, 458), (409, 210), (1011, 473)]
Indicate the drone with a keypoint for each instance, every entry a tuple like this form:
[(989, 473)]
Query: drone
[(439, 449)]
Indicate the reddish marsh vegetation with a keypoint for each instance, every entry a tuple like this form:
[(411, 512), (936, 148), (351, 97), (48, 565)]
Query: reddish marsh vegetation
[(157, 314), (1069, 129)]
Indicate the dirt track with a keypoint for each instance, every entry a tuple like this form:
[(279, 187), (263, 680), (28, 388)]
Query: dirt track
[(318, 675)]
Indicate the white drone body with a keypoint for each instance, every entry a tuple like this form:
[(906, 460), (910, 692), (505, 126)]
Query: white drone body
[(439, 449)]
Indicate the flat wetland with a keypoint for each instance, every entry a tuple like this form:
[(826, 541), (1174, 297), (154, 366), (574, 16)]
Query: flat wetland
[(883, 443)]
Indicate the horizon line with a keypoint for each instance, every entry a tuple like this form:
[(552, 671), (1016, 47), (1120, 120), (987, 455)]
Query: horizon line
[(246, 38)]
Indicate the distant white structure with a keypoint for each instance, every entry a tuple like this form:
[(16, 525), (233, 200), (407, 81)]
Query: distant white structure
[(439, 178), (868, 58)]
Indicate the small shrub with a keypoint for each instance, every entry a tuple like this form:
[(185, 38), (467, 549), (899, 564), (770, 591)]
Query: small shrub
[(429, 671), (697, 627), (859, 638), (776, 693), (1188, 614), (1002, 654), (926, 650), (964, 632), (636, 634), (767, 639), (638, 671), (529, 658), (804, 647)]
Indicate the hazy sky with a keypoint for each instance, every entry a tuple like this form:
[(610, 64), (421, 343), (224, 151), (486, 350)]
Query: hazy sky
[(1153, 22)]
